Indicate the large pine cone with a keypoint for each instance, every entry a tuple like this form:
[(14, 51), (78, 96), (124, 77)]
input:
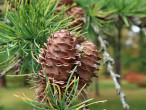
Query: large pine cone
[(78, 14), (63, 52), (59, 59)]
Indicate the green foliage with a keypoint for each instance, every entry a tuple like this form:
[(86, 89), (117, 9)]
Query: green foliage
[(110, 9), (59, 100), (26, 28), (108, 15), (139, 61)]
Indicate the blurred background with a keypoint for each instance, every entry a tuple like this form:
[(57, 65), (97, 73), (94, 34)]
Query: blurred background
[(130, 44)]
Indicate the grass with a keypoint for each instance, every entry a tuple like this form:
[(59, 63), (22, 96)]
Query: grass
[(9, 102), (136, 97)]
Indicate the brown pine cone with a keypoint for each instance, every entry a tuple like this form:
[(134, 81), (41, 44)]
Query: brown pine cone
[(66, 2), (63, 52), (59, 58), (78, 14), (89, 61)]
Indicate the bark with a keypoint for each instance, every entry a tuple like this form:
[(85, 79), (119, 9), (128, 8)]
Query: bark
[(2, 82), (11, 67)]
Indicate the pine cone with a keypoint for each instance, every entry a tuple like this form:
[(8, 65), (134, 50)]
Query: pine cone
[(66, 2), (89, 61), (63, 52), (59, 58), (78, 14)]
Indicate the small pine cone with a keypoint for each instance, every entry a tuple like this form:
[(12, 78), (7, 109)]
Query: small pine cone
[(80, 40), (66, 2), (78, 14), (89, 61)]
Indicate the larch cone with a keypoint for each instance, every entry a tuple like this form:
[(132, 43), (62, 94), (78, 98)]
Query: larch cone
[(62, 54), (78, 14), (66, 2)]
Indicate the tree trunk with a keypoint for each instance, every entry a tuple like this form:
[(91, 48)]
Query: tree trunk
[(118, 67), (142, 52), (3, 82), (96, 79), (96, 87), (118, 54)]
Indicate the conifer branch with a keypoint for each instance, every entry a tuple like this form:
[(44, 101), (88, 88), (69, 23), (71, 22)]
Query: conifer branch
[(11, 67), (109, 61)]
